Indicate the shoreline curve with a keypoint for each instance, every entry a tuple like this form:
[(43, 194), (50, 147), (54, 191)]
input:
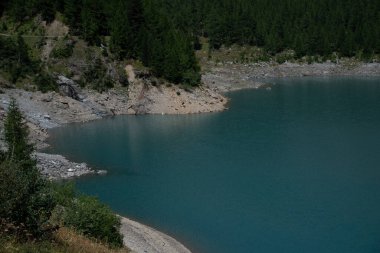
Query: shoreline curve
[(140, 238)]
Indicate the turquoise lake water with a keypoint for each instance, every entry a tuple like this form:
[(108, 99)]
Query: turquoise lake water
[(293, 169)]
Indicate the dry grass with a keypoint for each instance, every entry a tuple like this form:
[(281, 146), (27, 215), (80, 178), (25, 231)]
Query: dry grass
[(64, 241), (76, 243)]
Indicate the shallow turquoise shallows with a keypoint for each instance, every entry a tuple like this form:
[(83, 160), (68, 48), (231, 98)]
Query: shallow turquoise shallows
[(292, 169)]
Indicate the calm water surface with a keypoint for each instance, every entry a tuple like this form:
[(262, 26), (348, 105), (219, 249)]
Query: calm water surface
[(293, 169)]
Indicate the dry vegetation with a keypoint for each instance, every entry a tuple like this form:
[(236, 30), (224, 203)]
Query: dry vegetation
[(64, 240)]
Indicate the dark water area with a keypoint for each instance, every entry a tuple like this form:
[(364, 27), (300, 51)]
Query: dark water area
[(291, 169)]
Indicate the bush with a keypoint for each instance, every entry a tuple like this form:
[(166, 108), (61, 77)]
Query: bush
[(92, 218), (28, 200), (192, 78), (14, 58), (63, 49), (96, 75), (85, 215), (45, 82), (123, 77)]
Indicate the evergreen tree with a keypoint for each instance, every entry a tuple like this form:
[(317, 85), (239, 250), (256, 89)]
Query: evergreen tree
[(121, 34), (3, 5), (90, 22), (136, 21), (17, 9), (25, 200), (72, 11), (16, 137), (47, 9)]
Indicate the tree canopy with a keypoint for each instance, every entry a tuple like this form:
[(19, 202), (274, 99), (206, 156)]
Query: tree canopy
[(158, 31)]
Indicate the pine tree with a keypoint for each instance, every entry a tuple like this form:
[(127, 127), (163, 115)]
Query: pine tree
[(47, 9), (24, 197), (16, 137), (3, 5), (136, 21), (72, 11), (121, 35), (90, 24), (17, 9)]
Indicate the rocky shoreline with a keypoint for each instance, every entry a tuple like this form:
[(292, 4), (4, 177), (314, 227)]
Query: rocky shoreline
[(144, 96), (230, 76), (44, 111), (57, 167)]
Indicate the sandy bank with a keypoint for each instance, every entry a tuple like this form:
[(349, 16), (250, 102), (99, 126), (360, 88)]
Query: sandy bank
[(141, 238)]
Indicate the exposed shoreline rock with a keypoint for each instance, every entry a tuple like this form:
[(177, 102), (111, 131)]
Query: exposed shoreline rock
[(144, 95), (149, 99), (44, 111), (57, 167), (229, 76)]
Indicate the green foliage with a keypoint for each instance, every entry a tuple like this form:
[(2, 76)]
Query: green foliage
[(16, 137), (72, 15), (308, 27), (167, 50), (86, 215), (96, 75), (63, 49), (47, 10), (45, 82), (14, 58), (123, 77), (92, 218), (17, 9), (164, 33), (191, 78), (121, 44), (63, 193), (92, 20), (26, 202)]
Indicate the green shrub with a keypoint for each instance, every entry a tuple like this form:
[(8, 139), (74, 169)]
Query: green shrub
[(85, 214), (96, 75), (123, 77), (28, 200), (63, 49), (45, 82), (92, 218), (192, 78), (14, 58)]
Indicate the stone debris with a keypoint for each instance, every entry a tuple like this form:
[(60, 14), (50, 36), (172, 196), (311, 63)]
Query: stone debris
[(224, 78), (56, 167)]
